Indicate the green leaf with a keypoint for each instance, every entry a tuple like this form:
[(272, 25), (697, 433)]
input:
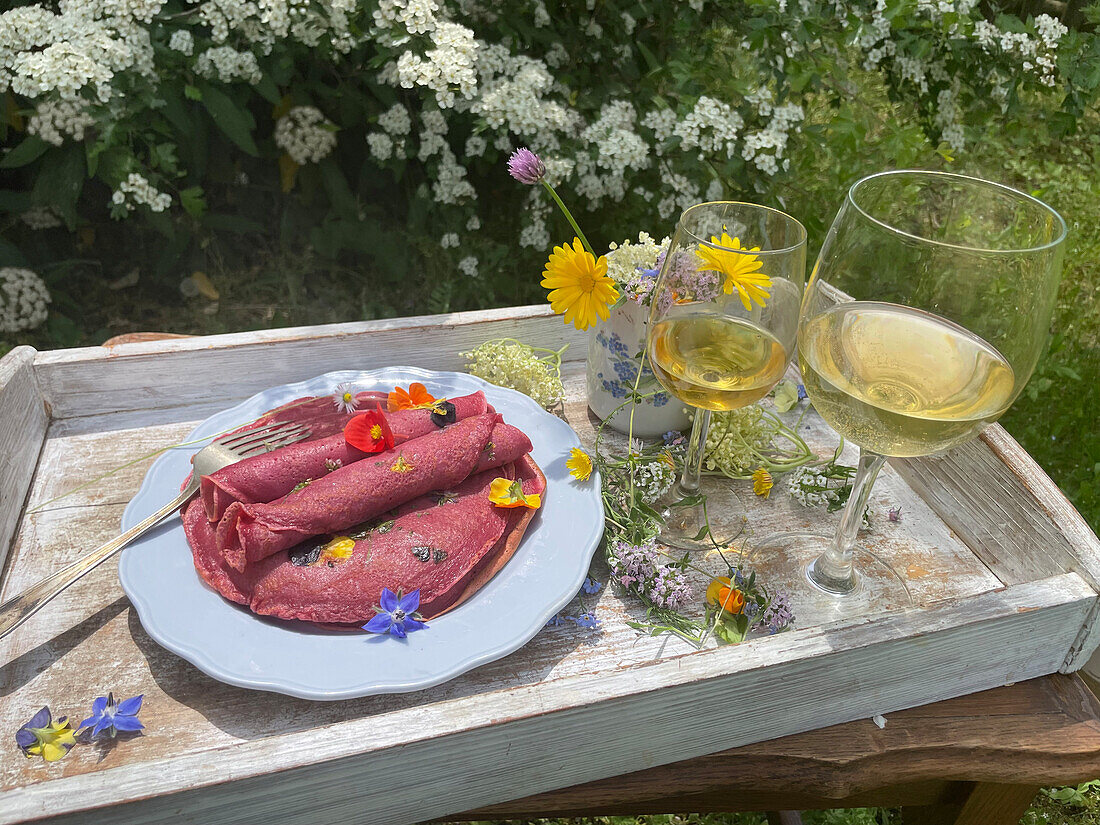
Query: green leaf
[(193, 201), (337, 189), (12, 201), (192, 92), (11, 256), (30, 150), (60, 182), (235, 121), (63, 330), (268, 90)]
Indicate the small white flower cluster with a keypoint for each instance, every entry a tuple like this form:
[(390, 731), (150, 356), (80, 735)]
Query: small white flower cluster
[(874, 38), (228, 65), (446, 68), (450, 185), (711, 126), (416, 16), (137, 191), (395, 120), (774, 137), (628, 262), (54, 120), (381, 146), (1036, 54), (449, 240), (24, 300), (305, 134), (618, 146), (515, 365), (182, 41), (810, 487), (468, 266), (40, 217), (652, 479)]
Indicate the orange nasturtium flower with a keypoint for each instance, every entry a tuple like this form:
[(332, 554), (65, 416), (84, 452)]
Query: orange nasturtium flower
[(504, 492), (730, 598), (369, 432), (416, 397)]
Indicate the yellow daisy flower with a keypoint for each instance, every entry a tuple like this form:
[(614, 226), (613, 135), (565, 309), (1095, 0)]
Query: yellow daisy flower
[(742, 271), (762, 482), (579, 285), (579, 464), (504, 492)]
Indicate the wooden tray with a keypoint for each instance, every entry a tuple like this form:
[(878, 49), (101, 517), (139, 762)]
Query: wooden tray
[(1003, 570)]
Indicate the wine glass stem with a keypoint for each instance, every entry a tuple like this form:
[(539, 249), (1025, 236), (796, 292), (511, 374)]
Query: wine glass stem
[(693, 461), (833, 570)]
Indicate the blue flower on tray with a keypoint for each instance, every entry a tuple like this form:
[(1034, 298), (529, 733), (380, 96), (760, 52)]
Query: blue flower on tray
[(109, 716), (397, 614)]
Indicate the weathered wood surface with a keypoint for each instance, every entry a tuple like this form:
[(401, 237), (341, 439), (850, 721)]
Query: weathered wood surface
[(23, 420), (569, 707), (1043, 731)]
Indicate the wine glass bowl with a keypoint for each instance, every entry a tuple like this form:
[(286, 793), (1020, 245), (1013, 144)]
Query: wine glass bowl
[(722, 331), (923, 319)]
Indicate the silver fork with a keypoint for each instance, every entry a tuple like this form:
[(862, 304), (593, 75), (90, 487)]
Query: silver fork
[(220, 453)]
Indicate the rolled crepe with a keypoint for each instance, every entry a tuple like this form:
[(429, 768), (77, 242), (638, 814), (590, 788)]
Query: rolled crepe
[(433, 547), (360, 491), (268, 476)]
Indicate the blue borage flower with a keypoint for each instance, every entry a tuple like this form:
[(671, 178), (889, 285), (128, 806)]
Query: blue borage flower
[(397, 614), (110, 717), (587, 620), (591, 586)]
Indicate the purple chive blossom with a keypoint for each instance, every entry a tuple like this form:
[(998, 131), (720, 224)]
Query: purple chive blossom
[(641, 568), (591, 586), (397, 614), (526, 167), (778, 614), (109, 716)]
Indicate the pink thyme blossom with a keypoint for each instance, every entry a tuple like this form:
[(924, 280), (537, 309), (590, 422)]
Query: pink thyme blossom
[(526, 167)]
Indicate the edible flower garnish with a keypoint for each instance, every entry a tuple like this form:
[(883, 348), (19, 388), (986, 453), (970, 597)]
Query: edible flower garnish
[(41, 736), (401, 465), (397, 614), (741, 270), (416, 397), (443, 414), (579, 464), (109, 716), (762, 482), (504, 492), (579, 285), (344, 398), (337, 550), (369, 432), (721, 592)]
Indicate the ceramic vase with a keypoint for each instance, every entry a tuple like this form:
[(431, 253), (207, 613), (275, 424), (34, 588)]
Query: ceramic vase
[(614, 354)]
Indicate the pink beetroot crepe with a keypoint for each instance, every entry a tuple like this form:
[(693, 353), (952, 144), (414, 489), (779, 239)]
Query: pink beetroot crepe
[(348, 592), (431, 547), (269, 476), (360, 491)]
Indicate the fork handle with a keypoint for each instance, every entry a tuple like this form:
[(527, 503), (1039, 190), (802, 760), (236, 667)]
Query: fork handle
[(18, 609)]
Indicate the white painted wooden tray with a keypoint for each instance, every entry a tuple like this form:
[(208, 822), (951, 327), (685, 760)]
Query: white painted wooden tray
[(1003, 570)]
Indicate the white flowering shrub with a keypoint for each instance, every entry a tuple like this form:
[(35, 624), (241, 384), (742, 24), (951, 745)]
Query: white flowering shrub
[(380, 127), (24, 300)]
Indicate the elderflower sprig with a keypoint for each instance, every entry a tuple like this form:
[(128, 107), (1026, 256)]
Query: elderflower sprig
[(507, 362), (740, 442)]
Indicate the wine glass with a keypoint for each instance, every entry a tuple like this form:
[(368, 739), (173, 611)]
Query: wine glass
[(923, 320), (722, 326)]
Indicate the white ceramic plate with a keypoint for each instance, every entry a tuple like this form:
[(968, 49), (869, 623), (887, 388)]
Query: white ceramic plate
[(233, 645)]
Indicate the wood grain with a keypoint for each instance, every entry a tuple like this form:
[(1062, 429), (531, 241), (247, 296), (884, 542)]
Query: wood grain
[(24, 420), (1043, 731), (569, 707), (179, 372)]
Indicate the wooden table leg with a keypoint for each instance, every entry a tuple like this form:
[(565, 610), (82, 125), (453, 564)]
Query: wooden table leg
[(987, 803)]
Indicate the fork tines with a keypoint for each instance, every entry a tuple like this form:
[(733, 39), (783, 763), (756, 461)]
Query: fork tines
[(268, 437)]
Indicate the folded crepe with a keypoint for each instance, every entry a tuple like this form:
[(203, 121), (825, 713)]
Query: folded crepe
[(353, 494), (268, 476), (445, 546)]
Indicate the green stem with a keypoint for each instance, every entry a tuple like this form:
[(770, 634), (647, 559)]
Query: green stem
[(569, 217)]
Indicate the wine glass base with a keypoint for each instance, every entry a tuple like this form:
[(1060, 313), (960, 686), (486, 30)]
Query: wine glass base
[(682, 525), (874, 584)]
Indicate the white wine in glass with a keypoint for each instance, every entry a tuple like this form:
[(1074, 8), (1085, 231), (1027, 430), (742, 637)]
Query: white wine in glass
[(923, 320), (722, 327)]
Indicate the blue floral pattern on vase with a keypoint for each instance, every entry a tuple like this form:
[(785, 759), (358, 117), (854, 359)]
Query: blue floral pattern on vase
[(626, 370)]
